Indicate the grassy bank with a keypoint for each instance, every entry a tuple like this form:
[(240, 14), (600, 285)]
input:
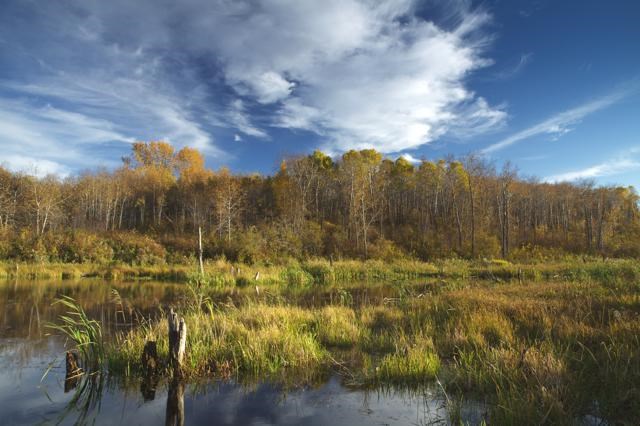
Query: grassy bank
[(222, 273), (536, 351)]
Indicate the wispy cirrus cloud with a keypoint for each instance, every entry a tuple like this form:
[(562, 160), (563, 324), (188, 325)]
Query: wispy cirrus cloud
[(513, 70), (622, 163), (42, 139), (237, 115), (562, 123), (354, 73)]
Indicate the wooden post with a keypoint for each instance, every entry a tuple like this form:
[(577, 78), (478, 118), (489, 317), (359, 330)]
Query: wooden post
[(200, 247), (177, 341)]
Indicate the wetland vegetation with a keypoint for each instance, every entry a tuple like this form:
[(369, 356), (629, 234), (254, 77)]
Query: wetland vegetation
[(535, 344)]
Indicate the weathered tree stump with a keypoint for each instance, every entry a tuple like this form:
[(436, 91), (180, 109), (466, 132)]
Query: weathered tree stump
[(73, 371), (177, 341)]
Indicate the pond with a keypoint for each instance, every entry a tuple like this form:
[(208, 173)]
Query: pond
[(27, 351)]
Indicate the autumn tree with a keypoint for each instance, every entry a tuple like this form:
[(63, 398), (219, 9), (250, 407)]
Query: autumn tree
[(363, 185), (45, 198), (229, 201), (362, 204), (192, 187), (154, 164)]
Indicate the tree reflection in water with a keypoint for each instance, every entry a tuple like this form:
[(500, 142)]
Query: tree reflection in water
[(175, 403)]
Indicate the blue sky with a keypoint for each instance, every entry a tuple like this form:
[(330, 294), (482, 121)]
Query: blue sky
[(553, 87)]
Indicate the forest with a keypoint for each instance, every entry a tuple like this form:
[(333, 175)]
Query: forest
[(359, 206)]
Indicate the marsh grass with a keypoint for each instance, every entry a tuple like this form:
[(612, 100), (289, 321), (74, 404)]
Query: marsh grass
[(413, 363), (536, 350), (221, 273), (85, 333), (544, 352)]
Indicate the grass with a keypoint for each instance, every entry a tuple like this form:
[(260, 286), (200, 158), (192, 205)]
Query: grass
[(85, 333), (552, 345), (254, 341), (320, 272)]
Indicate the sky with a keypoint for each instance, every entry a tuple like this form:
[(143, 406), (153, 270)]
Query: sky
[(553, 87)]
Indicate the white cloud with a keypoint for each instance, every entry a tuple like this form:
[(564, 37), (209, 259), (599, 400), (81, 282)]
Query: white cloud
[(34, 166), (270, 87), (410, 158), (47, 137), (396, 86), (514, 70), (618, 165), (561, 123), (142, 106), (237, 138), (294, 115), (239, 119), (359, 73)]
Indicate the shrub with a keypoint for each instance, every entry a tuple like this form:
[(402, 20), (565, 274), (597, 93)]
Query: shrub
[(29, 247), (180, 249), (6, 237), (385, 250), (136, 249), (487, 245), (81, 246), (321, 271), (295, 275)]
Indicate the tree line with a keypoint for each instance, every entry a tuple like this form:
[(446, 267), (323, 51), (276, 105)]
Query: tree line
[(361, 205)]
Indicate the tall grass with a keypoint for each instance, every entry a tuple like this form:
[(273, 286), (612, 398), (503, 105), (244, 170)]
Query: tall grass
[(85, 333), (536, 349)]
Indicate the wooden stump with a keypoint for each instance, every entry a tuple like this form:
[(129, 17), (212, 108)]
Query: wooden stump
[(73, 371), (177, 341)]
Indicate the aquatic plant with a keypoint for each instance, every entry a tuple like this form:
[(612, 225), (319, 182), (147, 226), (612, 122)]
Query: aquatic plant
[(85, 333)]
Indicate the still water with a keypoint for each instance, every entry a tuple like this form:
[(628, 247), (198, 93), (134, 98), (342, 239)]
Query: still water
[(27, 351)]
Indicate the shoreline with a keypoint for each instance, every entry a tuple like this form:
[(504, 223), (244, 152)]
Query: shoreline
[(222, 273)]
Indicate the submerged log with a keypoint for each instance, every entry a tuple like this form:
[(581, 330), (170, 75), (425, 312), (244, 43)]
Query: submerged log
[(177, 341)]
